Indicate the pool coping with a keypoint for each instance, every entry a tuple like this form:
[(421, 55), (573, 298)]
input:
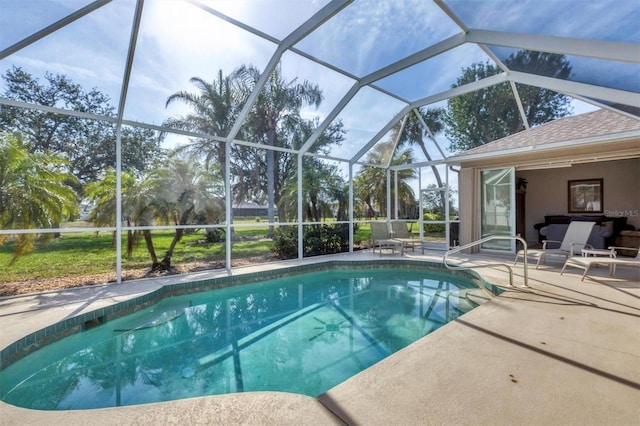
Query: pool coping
[(576, 363), (82, 321)]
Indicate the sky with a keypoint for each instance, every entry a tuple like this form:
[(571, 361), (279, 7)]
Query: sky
[(178, 41)]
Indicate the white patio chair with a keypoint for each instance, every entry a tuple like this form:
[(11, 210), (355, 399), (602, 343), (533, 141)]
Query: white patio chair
[(587, 262), (381, 238), (401, 233), (575, 239)]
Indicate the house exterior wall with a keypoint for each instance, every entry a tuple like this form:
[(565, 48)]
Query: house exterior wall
[(547, 191), (547, 194), (469, 211)]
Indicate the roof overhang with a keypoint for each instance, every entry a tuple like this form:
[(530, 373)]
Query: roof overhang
[(601, 148)]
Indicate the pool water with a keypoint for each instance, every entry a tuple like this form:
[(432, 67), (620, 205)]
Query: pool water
[(303, 334)]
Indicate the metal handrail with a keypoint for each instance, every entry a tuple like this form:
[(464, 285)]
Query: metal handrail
[(484, 240)]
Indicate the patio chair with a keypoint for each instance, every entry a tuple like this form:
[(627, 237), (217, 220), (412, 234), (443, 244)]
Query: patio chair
[(574, 240), (401, 233), (381, 238), (612, 261)]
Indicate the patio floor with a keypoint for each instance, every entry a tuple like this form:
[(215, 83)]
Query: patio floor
[(561, 352)]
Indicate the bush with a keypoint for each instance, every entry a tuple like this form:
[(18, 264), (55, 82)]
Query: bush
[(434, 228), (213, 235), (285, 242), (317, 239)]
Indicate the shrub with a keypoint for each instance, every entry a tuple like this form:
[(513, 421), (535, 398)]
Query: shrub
[(285, 242), (434, 228), (213, 235), (317, 240)]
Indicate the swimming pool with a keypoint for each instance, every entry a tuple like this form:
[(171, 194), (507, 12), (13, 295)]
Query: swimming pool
[(303, 333)]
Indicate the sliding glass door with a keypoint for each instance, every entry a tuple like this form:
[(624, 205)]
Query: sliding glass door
[(497, 210)]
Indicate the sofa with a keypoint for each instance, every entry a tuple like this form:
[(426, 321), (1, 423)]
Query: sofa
[(613, 226)]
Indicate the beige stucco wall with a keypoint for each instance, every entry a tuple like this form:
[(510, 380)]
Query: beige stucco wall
[(547, 190), (468, 205), (547, 194)]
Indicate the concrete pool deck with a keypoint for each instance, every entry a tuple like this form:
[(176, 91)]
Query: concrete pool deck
[(561, 352)]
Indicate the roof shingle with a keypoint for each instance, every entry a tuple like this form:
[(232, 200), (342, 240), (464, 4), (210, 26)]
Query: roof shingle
[(591, 124)]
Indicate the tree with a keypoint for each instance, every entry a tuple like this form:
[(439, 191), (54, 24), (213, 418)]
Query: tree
[(250, 166), (257, 174), (323, 191), (371, 182), (215, 109), (102, 194), (414, 132), (486, 115), (89, 145), (35, 191), (176, 194), (277, 106), (432, 201)]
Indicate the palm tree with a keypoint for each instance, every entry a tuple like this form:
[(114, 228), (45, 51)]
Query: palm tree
[(35, 191), (177, 194), (274, 120), (371, 182), (276, 108), (215, 109), (102, 194), (414, 132), (174, 194), (323, 188)]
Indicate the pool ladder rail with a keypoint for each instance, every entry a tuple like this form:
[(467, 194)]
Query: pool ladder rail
[(498, 264)]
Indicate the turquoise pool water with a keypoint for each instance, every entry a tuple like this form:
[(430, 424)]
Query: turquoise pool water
[(304, 334)]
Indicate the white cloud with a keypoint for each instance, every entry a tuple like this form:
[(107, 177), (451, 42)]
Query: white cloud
[(178, 41)]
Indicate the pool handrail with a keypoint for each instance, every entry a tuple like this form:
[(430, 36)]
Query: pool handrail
[(484, 240)]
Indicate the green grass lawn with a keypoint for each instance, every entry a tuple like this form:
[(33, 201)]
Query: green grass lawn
[(87, 253)]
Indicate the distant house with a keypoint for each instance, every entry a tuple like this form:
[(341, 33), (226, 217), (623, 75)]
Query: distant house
[(588, 147), (249, 209)]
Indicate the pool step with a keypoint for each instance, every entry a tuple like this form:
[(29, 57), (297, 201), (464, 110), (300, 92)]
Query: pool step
[(477, 296)]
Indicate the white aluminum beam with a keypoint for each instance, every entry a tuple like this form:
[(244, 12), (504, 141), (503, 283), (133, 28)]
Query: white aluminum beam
[(600, 49), (233, 21), (516, 95), (351, 208), (121, 104), (461, 90), (55, 110), (416, 58), (380, 134), (300, 208), (573, 87), (332, 115), (431, 136), (311, 24), (53, 27), (398, 136), (597, 104), (419, 164), (445, 8)]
